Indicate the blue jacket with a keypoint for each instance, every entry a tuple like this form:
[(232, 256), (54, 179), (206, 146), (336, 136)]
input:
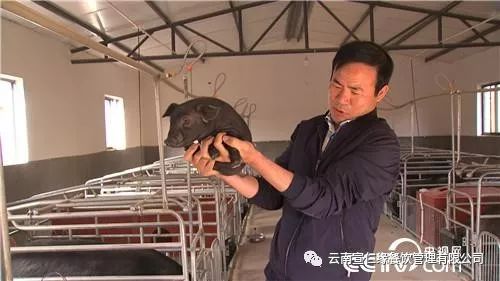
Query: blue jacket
[(335, 199)]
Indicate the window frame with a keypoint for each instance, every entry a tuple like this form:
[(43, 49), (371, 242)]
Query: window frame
[(20, 125), (482, 109), (123, 143)]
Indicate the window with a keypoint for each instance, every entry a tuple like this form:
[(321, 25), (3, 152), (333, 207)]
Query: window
[(488, 105), (13, 132), (114, 114)]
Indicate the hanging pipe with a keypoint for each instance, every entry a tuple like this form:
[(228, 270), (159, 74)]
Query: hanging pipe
[(6, 267), (160, 142)]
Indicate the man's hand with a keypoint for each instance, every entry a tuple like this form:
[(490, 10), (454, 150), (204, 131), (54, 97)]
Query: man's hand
[(201, 158), (247, 150)]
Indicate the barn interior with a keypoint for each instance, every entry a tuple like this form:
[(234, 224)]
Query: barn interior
[(84, 167)]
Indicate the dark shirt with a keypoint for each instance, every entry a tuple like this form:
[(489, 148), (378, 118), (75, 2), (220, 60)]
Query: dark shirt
[(335, 199)]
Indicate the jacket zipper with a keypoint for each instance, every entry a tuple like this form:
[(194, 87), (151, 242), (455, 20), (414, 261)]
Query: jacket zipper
[(290, 244)]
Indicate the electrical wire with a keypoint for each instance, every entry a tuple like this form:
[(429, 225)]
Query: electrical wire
[(456, 92), (248, 109), (451, 89), (185, 67), (217, 84)]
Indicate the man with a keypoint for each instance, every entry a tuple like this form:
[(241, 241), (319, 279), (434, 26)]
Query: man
[(332, 179)]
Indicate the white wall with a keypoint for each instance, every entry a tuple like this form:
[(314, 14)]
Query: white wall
[(286, 91), (471, 73), (65, 108), (65, 101)]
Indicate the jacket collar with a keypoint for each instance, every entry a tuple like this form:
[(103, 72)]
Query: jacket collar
[(323, 126)]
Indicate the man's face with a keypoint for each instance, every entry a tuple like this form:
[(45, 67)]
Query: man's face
[(352, 91)]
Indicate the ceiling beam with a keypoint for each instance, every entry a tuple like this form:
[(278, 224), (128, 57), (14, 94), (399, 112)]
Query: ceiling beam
[(292, 21), (271, 26), (351, 33), (299, 51), (423, 10), (357, 25), (180, 22), (208, 38), (466, 41), (372, 23), (474, 30), (67, 15), (425, 22), (175, 31), (143, 40), (305, 25), (238, 18)]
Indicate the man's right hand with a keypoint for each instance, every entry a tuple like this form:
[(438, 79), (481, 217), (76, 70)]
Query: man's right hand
[(201, 158)]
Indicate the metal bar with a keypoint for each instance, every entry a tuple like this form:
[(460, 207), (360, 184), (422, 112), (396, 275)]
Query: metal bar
[(65, 14), (177, 23), (405, 30), (392, 5), (474, 30), (372, 24), (207, 38), (238, 22), (440, 29), (356, 26), (172, 40), (291, 21), (6, 267), (271, 25), (159, 133), (300, 51), (426, 22), (143, 40), (165, 18), (351, 33), (59, 28), (466, 41), (306, 25), (240, 32), (96, 247)]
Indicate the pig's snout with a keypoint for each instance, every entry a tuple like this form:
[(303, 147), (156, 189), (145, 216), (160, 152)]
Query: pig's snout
[(174, 140)]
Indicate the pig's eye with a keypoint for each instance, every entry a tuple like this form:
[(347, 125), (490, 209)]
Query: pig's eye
[(186, 122)]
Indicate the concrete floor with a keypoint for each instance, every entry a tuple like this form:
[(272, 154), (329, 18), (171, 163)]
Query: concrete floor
[(251, 258)]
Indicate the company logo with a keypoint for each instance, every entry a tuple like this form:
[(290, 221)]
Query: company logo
[(312, 258), (431, 259)]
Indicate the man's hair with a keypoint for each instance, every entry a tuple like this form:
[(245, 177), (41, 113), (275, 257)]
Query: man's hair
[(368, 53)]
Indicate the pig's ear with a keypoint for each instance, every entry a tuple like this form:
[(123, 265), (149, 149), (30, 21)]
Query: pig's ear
[(208, 112), (170, 108)]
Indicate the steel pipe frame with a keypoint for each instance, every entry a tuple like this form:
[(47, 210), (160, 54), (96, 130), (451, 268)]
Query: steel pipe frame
[(344, 26), (270, 26), (180, 22), (426, 21), (219, 227), (300, 51), (475, 245), (171, 245), (423, 10), (238, 20), (5, 258), (432, 14), (36, 17), (495, 242), (357, 25), (65, 14), (175, 31), (467, 41), (474, 30)]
